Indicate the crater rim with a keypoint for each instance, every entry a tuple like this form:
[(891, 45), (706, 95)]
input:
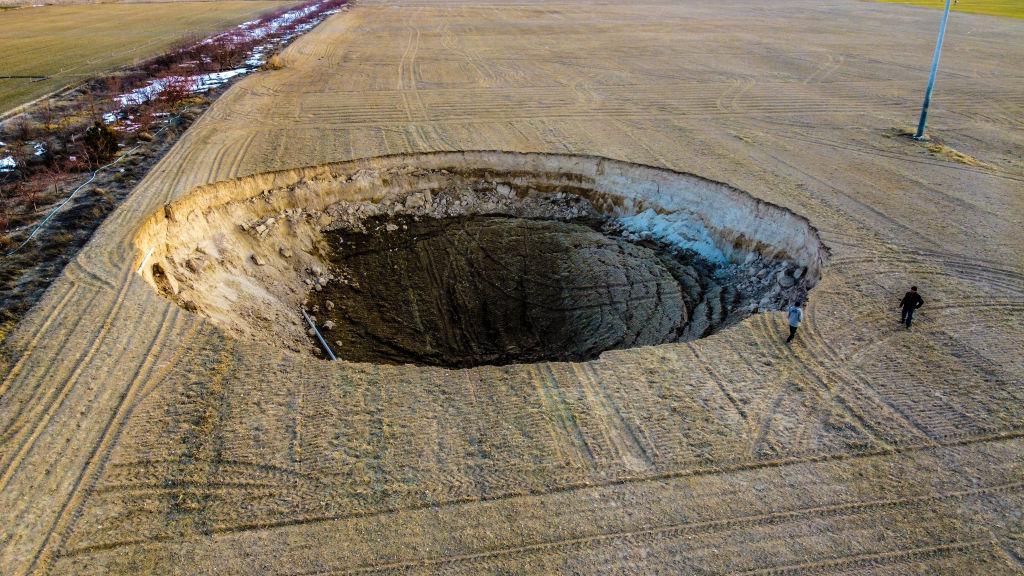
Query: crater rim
[(716, 220)]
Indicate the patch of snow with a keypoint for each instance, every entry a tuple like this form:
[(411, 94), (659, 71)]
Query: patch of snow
[(7, 164), (205, 82), (140, 95), (278, 31), (256, 58), (200, 83), (40, 148), (2, 144), (252, 30)]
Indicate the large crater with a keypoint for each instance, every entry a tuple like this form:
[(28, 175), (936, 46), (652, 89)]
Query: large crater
[(461, 259)]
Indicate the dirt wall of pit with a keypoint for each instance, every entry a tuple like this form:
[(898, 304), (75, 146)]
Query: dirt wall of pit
[(739, 223), (247, 253)]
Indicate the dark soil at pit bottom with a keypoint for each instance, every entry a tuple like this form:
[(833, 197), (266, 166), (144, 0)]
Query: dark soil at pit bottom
[(478, 290)]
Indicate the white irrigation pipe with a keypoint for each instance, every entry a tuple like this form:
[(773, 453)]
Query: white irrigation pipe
[(144, 258)]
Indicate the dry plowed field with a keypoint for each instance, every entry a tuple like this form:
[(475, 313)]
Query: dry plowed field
[(138, 438)]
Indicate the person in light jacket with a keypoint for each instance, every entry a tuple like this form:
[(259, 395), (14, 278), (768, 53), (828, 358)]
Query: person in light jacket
[(796, 315)]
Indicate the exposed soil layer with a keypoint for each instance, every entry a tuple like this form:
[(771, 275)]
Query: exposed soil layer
[(476, 290)]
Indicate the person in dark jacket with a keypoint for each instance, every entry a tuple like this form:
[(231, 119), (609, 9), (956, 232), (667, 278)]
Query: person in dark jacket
[(911, 301)]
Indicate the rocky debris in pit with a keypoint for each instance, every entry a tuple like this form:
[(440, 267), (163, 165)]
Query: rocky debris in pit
[(261, 228), (451, 197), (777, 282), (196, 264), (460, 200), (319, 278)]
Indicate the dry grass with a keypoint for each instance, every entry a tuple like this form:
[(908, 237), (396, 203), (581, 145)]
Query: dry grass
[(50, 47), (954, 155), (937, 147), (275, 62), (1011, 8)]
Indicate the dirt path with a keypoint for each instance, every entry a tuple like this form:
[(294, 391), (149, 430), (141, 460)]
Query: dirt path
[(136, 438)]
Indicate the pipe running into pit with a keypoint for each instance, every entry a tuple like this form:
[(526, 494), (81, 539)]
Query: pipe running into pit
[(319, 337)]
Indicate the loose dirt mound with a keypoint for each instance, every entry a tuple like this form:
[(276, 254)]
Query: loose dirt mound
[(477, 258)]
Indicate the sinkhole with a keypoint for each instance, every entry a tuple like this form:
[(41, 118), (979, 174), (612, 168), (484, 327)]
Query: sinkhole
[(463, 259)]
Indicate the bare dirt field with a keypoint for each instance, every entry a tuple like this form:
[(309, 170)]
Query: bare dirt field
[(43, 49), (142, 433)]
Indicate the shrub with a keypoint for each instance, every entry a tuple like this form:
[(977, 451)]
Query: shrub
[(5, 218), (113, 85), (275, 62), (144, 118), (23, 129), (100, 141), (177, 89)]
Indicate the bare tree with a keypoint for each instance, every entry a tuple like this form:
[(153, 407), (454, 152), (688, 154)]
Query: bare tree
[(176, 90)]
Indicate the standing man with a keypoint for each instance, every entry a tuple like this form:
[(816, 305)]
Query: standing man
[(911, 301), (796, 315)]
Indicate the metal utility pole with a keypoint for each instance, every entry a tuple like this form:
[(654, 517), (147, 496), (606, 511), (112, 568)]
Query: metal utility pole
[(931, 78)]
